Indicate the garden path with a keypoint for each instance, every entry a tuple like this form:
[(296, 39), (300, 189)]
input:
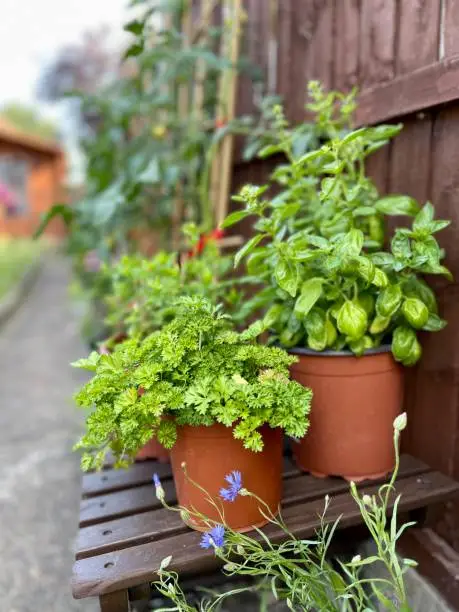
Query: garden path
[(39, 474)]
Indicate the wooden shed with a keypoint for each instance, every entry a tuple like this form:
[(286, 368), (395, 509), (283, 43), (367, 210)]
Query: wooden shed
[(32, 172)]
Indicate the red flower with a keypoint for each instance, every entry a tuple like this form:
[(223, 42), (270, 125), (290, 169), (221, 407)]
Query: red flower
[(204, 239)]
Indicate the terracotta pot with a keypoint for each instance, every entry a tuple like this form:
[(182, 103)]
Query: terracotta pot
[(355, 402), (153, 450), (210, 453)]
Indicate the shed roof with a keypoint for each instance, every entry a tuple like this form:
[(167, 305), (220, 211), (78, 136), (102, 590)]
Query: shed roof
[(11, 134)]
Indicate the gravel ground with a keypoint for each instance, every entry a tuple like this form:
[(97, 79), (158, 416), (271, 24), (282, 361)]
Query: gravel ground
[(39, 474)]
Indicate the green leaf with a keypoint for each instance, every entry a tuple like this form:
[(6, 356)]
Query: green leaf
[(268, 150), (415, 312), (58, 210), (405, 346), (308, 157), (434, 323), (424, 217), (438, 269), (400, 246), (134, 50), (382, 259), (311, 290), (437, 226), (248, 248), (352, 320), (379, 324), (134, 27), (287, 276), (397, 205), (383, 132), (89, 363), (233, 218), (272, 315), (351, 243), (151, 174), (364, 211), (254, 330), (389, 300), (353, 135), (380, 279)]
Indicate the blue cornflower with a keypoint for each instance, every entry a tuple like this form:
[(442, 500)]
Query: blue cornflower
[(158, 487), (234, 479), (213, 538)]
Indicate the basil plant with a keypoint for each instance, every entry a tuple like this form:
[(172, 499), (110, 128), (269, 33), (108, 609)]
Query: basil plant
[(328, 283)]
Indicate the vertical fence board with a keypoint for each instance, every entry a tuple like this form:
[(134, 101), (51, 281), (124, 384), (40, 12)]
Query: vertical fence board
[(450, 25), (434, 430), (418, 34), (410, 173), (244, 101), (301, 35), (377, 41), (438, 382), (347, 19), (377, 46), (285, 49), (319, 65)]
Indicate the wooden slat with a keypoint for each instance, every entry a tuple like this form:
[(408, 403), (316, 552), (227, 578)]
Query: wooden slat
[(320, 58), (434, 434), (122, 503), (416, 91), (347, 44), (302, 22), (284, 57), (126, 568), (418, 34), (149, 526), (437, 561), (410, 173), (108, 481), (377, 36), (450, 26)]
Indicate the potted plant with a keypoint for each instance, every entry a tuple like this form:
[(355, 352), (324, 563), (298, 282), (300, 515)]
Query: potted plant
[(212, 395), (144, 291), (348, 308)]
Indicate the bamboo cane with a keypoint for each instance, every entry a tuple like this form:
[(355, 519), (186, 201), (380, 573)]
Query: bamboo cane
[(183, 105), (207, 7), (229, 86)]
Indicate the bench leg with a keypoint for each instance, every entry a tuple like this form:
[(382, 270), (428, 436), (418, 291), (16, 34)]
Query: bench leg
[(115, 602)]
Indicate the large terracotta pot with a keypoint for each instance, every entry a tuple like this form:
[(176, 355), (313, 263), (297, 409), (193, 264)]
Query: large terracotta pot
[(210, 453), (355, 401), (153, 450)]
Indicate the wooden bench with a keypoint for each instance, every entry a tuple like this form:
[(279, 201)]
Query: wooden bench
[(125, 533)]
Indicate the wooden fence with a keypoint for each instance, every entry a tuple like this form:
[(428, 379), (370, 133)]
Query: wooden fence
[(404, 57)]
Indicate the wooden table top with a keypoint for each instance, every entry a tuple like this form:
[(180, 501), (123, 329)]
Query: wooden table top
[(124, 532)]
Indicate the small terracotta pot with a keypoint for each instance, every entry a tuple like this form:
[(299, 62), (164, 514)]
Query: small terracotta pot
[(355, 401), (210, 453), (153, 450)]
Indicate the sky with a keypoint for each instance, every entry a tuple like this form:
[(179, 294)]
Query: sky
[(31, 31)]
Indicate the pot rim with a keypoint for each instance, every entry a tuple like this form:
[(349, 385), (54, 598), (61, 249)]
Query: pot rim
[(384, 348)]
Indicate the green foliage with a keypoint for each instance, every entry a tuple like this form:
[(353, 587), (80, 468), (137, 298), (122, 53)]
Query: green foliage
[(196, 370), (301, 573), (28, 120), (319, 250), (144, 291), (147, 156)]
